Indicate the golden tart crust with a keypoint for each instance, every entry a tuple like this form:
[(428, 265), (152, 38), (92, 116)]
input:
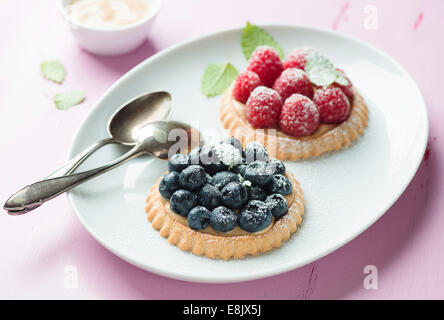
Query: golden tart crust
[(328, 137), (224, 246)]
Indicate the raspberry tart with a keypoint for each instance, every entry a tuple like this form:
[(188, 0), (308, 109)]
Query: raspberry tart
[(224, 202), (282, 105)]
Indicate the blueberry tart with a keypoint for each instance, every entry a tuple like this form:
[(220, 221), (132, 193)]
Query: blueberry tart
[(224, 202)]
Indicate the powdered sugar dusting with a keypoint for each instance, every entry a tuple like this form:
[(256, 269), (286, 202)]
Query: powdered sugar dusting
[(228, 155), (293, 80), (300, 116), (263, 107), (327, 138), (266, 63), (281, 183), (297, 58)]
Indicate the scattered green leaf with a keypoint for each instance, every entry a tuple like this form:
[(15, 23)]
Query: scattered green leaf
[(53, 70), (217, 78), (254, 36), (321, 71), (68, 99)]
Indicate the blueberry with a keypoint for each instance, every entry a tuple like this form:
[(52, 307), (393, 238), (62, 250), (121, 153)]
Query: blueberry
[(208, 178), (198, 218), (223, 219), (169, 184), (239, 169), (192, 177), (209, 196), (259, 173), (277, 204), (255, 151), (207, 158), (234, 142), (256, 216), (182, 201), (178, 162), (234, 195), (221, 179), (279, 184), (256, 193), (278, 166), (210, 161), (194, 156)]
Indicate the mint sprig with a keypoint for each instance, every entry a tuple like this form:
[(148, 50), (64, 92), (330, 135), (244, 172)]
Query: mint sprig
[(322, 72), (217, 77), (254, 36)]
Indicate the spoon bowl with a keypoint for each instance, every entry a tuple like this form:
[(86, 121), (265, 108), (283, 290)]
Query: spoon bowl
[(125, 124), (165, 138)]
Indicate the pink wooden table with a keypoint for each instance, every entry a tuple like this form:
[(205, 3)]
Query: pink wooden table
[(39, 252)]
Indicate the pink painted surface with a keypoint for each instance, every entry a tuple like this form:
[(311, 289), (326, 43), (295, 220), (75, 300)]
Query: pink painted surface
[(406, 244)]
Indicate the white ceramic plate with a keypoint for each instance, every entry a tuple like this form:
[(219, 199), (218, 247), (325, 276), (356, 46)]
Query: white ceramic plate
[(345, 191)]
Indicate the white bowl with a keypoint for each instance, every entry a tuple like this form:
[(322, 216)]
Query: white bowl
[(111, 42)]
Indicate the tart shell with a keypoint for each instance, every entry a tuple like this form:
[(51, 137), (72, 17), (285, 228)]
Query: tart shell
[(220, 246), (285, 147)]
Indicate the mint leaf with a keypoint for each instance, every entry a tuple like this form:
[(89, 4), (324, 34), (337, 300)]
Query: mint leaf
[(322, 72), (69, 99), (254, 36), (341, 79), (53, 70), (217, 78)]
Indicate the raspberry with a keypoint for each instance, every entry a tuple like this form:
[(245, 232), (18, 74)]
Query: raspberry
[(348, 89), (263, 107), (332, 104), (265, 62), (245, 83), (297, 58), (292, 81), (299, 116)]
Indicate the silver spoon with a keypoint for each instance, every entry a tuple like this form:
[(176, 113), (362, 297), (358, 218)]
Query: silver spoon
[(157, 138), (124, 125)]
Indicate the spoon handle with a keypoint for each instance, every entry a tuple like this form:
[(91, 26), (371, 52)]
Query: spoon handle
[(72, 164), (34, 195)]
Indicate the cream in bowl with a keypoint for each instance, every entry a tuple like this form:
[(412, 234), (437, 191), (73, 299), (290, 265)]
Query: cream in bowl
[(110, 27), (107, 14)]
